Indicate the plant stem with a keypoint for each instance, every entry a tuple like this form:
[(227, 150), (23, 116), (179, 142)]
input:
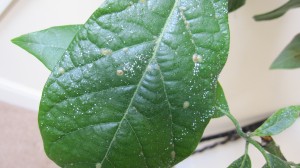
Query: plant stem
[(246, 154), (247, 148), (247, 137)]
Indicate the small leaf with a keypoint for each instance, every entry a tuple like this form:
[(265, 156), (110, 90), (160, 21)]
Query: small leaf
[(289, 58), (265, 166), (48, 45), (271, 147), (278, 122), (235, 4), (276, 162), (242, 162), (221, 103), (136, 86), (279, 11)]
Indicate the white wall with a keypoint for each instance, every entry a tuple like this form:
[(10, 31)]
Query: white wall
[(252, 89), (22, 77)]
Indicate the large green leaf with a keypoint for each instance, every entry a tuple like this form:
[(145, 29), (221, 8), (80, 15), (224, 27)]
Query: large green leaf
[(52, 54), (278, 122), (289, 58), (136, 86), (279, 11), (48, 45), (242, 162), (235, 4)]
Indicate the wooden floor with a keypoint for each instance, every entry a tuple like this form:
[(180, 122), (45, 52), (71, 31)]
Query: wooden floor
[(20, 141)]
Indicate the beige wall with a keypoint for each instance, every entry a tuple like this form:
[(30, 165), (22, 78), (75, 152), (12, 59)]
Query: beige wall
[(251, 88), (22, 77)]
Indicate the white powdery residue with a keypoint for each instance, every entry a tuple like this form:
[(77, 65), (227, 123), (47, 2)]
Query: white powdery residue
[(129, 68), (196, 69)]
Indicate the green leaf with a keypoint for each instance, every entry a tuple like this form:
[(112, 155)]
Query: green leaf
[(242, 162), (221, 103), (65, 31), (48, 45), (235, 4), (276, 162), (279, 11), (278, 122), (136, 86), (289, 58), (271, 147)]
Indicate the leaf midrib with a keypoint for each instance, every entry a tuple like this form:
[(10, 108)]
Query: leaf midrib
[(41, 44), (158, 42)]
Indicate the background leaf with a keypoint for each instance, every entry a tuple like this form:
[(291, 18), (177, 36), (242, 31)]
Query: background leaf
[(48, 45), (271, 146), (279, 11), (242, 162), (136, 86), (221, 103), (235, 4), (275, 162), (289, 58), (278, 122)]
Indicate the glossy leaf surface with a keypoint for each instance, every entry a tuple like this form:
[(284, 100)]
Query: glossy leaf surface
[(279, 11), (278, 122), (136, 86), (48, 45), (275, 162), (235, 4), (221, 103), (272, 147), (289, 58), (242, 162), (53, 54)]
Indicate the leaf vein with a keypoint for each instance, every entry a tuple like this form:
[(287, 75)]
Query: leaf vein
[(90, 93), (79, 129), (87, 64), (156, 48), (140, 144)]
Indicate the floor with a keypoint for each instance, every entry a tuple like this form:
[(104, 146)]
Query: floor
[(21, 145)]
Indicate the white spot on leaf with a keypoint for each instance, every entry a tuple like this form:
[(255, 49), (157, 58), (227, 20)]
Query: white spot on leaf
[(61, 70), (125, 49), (186, 104), (173, 155), (106, 51), (98, 165), (197, 58), (120, 72)]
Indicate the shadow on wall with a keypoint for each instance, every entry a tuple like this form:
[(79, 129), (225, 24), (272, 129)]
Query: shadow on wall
[(4, 7)]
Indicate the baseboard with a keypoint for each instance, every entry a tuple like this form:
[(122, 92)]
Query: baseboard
[(19, 95)]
